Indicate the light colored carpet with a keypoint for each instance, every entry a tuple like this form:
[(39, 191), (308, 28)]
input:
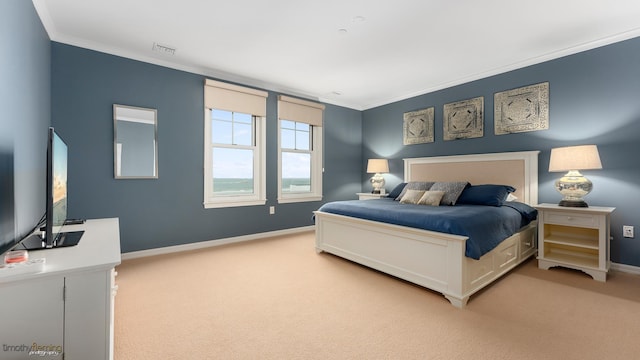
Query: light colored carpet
[(277, 299)]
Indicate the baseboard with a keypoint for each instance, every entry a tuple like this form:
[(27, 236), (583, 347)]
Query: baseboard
[(211, 243), (625, 268)]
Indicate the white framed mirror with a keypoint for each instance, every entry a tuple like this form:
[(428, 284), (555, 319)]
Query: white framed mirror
[(135, 142)]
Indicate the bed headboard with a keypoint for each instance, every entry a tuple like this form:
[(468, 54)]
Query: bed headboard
[(518, 169)]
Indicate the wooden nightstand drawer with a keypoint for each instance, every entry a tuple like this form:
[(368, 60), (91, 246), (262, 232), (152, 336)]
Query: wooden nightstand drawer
[(571, 219)]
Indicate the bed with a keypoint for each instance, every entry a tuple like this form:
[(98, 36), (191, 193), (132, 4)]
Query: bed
[(436, 260)]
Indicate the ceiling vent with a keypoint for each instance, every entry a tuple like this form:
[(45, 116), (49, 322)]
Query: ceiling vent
[(164, 49)]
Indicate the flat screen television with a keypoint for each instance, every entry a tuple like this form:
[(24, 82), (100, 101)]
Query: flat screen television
[(52, 234), (7, 202)]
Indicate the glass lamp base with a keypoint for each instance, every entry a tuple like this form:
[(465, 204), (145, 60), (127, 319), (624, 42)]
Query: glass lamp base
[(573, 187), (378, 183)]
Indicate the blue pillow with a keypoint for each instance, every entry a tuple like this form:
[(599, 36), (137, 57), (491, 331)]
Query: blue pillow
[(397, 190), (491, 195)]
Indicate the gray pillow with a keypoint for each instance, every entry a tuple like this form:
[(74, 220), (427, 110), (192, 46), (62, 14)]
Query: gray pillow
[(452, 190)]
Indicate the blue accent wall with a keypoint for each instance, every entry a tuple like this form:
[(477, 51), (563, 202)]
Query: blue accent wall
[(25, 100), (594, 99), (169, 211)]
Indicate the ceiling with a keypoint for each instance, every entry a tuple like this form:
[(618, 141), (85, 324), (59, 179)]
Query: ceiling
[(354, 53)]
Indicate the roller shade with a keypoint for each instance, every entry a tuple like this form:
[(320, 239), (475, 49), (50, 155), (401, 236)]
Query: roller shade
[(223, 96), (300, 110)]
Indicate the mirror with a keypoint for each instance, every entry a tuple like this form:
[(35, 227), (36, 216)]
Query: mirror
[(135, 146)]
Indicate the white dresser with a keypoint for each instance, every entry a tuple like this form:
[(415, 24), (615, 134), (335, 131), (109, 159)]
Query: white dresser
[(65, 310)]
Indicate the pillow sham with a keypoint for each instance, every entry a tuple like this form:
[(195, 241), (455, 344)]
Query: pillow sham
[(397, 190), (452, 190), (491, 195), (411, 196), (431, 198), (415, 185)]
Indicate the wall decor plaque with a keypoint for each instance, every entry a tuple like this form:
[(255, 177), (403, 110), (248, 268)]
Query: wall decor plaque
[(523, 109), (418, 126), (464, 119)]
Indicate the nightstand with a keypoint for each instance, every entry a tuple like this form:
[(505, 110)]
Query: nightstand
[(576, 238), (369, 196)]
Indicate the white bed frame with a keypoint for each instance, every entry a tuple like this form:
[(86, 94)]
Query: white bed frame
[(432, 259)]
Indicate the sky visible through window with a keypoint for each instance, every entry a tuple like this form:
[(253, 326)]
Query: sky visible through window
[(237, 128)]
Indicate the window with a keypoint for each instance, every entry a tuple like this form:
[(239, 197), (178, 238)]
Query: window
[(295, 145), (299, 150), (234, 168)]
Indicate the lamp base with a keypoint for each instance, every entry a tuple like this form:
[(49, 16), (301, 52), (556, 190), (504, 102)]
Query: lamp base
[(378, 184), (573, 203), (573, 187)]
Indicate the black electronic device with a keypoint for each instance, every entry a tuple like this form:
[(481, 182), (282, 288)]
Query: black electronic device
[(74, 221), (56, 202), (7, 203)]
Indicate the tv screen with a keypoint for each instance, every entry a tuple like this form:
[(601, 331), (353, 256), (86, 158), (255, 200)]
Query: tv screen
[(56, 201), (56, 187), (7, 202)]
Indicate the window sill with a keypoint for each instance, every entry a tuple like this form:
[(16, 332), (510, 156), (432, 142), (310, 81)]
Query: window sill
[(225, 204), (296, 199)]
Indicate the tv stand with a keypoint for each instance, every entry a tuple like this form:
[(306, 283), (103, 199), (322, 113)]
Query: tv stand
[(64, 239), (66, 309)]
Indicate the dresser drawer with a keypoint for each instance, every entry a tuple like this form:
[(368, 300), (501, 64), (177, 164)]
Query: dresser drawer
[(571, 219)]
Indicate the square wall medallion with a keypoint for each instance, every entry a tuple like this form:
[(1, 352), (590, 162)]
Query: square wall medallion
[(464, 119), (523, 109), (418, 127)]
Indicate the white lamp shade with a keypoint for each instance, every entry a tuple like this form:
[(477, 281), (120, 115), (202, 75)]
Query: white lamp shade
[(377, 166), (582, 157)]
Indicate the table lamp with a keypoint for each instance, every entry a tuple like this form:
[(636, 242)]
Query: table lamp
[(573, 185), (377, 166)]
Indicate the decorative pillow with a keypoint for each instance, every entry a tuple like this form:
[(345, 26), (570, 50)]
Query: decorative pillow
[(431, 198), (452, 191), (396, 191), (491, 195), (511, 197), (411, 196), (415, 185)]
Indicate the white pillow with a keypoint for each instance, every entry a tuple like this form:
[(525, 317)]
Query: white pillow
[(411, 196), (431, 198)]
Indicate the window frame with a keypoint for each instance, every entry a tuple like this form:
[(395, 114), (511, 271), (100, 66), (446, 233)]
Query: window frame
[(316, 151), (258, 197)]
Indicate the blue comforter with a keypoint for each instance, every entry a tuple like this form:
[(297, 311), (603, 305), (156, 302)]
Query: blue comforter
[(485, 226)]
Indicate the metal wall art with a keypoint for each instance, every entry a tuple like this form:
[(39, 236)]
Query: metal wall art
[(464, 119), (418, 127), (523, 109)]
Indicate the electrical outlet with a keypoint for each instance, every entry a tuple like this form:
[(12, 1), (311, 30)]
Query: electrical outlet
[(272, 210), (627, 231)]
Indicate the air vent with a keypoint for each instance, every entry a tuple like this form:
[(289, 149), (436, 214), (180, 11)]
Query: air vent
[(164, 49)]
